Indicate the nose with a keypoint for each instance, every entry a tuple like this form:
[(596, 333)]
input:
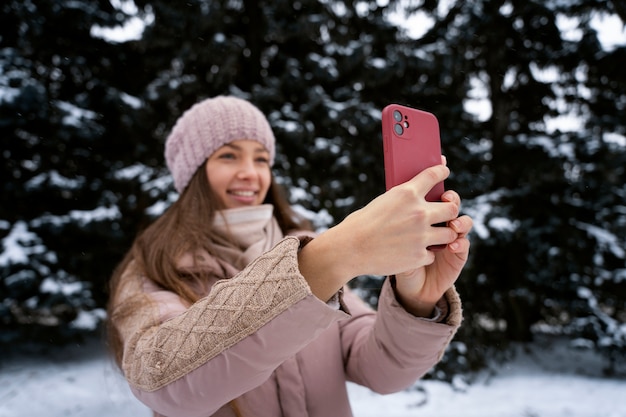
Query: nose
[(246, 169)]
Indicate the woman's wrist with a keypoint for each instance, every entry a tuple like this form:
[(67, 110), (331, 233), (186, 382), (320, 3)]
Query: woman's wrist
[(324, 265), (416, 307), (411, 299)]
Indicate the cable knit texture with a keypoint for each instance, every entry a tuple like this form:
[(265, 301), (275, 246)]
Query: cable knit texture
[(455, 310), (157, 355), (453, 314)]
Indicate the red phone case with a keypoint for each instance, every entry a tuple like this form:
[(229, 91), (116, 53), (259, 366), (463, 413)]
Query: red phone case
[(411, 144)]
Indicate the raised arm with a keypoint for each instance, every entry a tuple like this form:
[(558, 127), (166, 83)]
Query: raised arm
[(389, 236)]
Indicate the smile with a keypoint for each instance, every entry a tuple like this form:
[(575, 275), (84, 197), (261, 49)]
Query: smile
[(243, 193)]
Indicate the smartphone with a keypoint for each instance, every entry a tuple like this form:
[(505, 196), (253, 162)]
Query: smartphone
[(411, 144)]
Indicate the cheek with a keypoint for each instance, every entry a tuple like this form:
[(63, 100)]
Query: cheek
[(266, 180), (216, 180)]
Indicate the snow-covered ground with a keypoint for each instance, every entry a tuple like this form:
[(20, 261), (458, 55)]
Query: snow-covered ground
[(541, 381)]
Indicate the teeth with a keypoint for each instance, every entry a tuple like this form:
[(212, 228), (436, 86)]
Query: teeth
[(243, 193)]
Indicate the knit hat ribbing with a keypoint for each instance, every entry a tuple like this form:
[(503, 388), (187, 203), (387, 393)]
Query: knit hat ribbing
[(209, 125)]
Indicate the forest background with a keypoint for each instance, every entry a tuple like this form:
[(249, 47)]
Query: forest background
[(530, 99)]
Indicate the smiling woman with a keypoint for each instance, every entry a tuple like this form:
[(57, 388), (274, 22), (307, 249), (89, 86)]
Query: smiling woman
[(239, 173), (229, 305)]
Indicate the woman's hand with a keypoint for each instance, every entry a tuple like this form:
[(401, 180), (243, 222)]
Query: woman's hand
[(418, 290), (389, 236)]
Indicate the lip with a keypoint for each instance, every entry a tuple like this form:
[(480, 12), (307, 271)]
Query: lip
[(244, 196)]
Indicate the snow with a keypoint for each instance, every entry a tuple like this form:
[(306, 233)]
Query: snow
[(611, 30), (504, 224), (545, 379), (19, 245), (52, 286), (615, 139), (55, 179), (75, 115), (79, 217), (605, 239), (131, 30), (480, 208)]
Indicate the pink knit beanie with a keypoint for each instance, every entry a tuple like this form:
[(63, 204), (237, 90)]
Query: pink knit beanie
[(207, 126)]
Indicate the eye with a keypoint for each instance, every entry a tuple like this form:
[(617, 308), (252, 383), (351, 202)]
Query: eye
[(227, 155), (263, 160)]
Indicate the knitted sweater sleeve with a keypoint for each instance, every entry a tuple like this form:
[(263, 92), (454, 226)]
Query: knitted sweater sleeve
[(201, 348)]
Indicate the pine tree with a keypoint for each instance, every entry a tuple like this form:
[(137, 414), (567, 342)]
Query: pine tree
[(84, 119), (543, 248), (62, 122)]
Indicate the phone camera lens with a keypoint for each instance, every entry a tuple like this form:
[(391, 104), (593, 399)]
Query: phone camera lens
[(398, 129), (397, 115)]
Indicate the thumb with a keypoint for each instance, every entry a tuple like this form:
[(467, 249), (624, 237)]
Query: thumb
[(428, 178)]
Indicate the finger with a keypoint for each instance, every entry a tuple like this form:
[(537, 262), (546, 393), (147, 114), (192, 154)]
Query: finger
[(460, 245), (442, 236), (428, 178), (442, 213), (452, 197), (444, 160), (461, 225)]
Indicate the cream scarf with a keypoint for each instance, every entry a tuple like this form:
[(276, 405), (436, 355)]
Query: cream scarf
[(254, 230), (243, 235)]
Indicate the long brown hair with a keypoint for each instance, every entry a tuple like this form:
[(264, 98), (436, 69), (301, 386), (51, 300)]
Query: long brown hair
[(186, 226)]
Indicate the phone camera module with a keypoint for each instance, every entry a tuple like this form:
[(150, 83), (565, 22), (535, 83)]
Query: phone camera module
[(397, 115)]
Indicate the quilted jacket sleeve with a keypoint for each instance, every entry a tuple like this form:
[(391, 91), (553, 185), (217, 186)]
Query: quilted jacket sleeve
[(389, 350)]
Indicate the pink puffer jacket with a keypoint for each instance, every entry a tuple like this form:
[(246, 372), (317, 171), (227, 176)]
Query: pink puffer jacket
[(263, 339)]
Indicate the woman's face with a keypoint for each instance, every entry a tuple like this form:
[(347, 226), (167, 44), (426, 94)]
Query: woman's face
[(239, 173)]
